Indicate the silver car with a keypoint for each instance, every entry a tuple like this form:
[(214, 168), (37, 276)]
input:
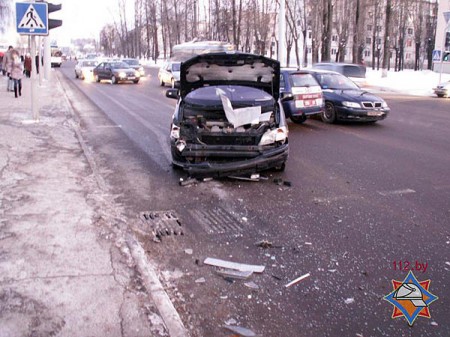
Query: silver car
[(443, 89), (169, 73)]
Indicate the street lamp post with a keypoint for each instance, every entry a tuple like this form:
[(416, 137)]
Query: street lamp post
[(447, 27)]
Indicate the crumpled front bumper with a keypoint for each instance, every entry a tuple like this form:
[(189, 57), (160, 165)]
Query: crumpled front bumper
[(268, 159)]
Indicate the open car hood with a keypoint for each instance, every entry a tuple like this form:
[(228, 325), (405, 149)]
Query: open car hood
[(230, 69)]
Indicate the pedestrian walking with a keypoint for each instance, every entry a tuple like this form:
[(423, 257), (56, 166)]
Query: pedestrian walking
[(17, 73), (6, 65), (27, 65)]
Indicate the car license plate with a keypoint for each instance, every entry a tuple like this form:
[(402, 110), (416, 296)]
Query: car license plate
[(374, 113), (131, 77), (310, 102)]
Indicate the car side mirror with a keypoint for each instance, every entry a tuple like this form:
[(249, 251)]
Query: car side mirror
[(286, 96), (172, 93)]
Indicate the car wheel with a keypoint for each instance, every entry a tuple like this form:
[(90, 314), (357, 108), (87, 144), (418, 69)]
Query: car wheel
[(113, 79), (298, 119), (97, 79), (161, 82), (136, 81), (440, 95), (329, 114), (76, 75), (172, 83)]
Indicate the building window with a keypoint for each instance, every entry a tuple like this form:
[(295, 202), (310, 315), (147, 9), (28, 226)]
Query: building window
[(408, 56), (310, 35), (369, 28), (334, 38), (368, 40), (409, 43), (379, 41), (333, 51), (309, 50), (367, 53), (378, 28), (410, 31)]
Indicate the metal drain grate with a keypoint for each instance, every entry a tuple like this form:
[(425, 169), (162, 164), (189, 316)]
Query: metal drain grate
[(162, 223), (216, 220)]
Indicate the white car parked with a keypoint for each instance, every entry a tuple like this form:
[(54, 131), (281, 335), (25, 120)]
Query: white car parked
[(83, 69)]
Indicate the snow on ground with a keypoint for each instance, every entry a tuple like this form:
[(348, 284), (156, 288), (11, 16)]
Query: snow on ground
[(406, 81)]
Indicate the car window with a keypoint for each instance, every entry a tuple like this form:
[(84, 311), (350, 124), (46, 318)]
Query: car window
[(132, 62), (303, 80), (282, 82), (335, 81), (88, 64), (354, 71), (176, 66), (118, 65)]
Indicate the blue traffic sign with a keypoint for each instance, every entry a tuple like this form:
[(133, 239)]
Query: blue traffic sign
[(436, 55), (32, 18)]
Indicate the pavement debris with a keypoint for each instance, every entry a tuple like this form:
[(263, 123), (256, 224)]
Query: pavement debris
[(298, 279), (349, 300), (189, 251), (234, 265), (240, 330), (234, 274), (188, 181), (264, 244), (252, 285), (200, 280), (231, 321)]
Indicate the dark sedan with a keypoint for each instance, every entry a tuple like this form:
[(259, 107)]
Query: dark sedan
[(345, 101), (115, 71)]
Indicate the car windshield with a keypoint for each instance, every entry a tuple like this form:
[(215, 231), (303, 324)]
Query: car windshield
[(303, 80), (336, 81), (132, 62), (176, 66), (88, 64), (119, 65)]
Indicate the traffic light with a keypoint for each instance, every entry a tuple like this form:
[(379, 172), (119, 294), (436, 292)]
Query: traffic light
[(447, 41), (53, 23)]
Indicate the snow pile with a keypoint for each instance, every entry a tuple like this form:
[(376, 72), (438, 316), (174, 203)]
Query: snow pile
[(407, 81)]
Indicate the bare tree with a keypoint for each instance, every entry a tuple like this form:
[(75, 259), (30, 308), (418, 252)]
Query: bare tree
[(327, 20), (5, 14)]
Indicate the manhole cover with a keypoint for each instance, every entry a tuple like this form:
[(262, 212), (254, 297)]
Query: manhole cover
[(162, 223), (216, 220)]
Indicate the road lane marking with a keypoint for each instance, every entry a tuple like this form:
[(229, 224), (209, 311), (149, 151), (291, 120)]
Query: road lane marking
[(396, 192)]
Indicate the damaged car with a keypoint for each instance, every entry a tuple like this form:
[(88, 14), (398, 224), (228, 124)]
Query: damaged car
[(228, 119)]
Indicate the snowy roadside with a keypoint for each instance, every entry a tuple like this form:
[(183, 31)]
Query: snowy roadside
[(420, 83)]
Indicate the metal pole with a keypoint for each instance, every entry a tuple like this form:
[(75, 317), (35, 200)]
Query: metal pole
[(443, 51), (34, 107), (282, 33), (47, 58), (39, 53)]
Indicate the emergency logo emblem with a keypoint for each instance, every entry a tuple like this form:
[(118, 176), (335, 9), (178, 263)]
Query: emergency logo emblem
[(411, 298)]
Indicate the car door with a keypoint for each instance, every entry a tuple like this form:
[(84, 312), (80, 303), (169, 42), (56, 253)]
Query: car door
[(98, 70)]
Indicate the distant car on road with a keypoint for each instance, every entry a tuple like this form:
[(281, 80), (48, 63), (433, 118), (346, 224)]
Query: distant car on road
[(169, 73), (345, 101), (443, 89), (84, 68), (355, 72), (115, 71), (301, 95), (134, 63)]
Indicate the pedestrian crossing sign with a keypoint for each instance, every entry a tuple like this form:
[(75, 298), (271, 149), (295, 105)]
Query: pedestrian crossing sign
[(436, 55), (32, 18)]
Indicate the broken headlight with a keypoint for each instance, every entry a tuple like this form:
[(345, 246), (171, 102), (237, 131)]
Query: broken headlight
[(275, 135)]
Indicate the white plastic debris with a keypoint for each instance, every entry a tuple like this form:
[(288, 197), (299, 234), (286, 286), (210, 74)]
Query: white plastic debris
[(251, 285), (244, 219), (447, 263), (297, 280), (234, 265), (188, 251), (240, 330), (200, 280), (308, 243), (434, 323), (231, 321), (349, 300)]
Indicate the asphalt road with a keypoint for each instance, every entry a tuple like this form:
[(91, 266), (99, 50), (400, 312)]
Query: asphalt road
[(358, 200)]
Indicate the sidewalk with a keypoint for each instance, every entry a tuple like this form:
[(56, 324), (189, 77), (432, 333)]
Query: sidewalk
[(63, 270)]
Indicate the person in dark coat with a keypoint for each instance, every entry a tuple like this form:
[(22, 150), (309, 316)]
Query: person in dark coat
[(27, 65)]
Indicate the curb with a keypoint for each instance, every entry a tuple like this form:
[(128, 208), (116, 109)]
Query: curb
[(150, 278)]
